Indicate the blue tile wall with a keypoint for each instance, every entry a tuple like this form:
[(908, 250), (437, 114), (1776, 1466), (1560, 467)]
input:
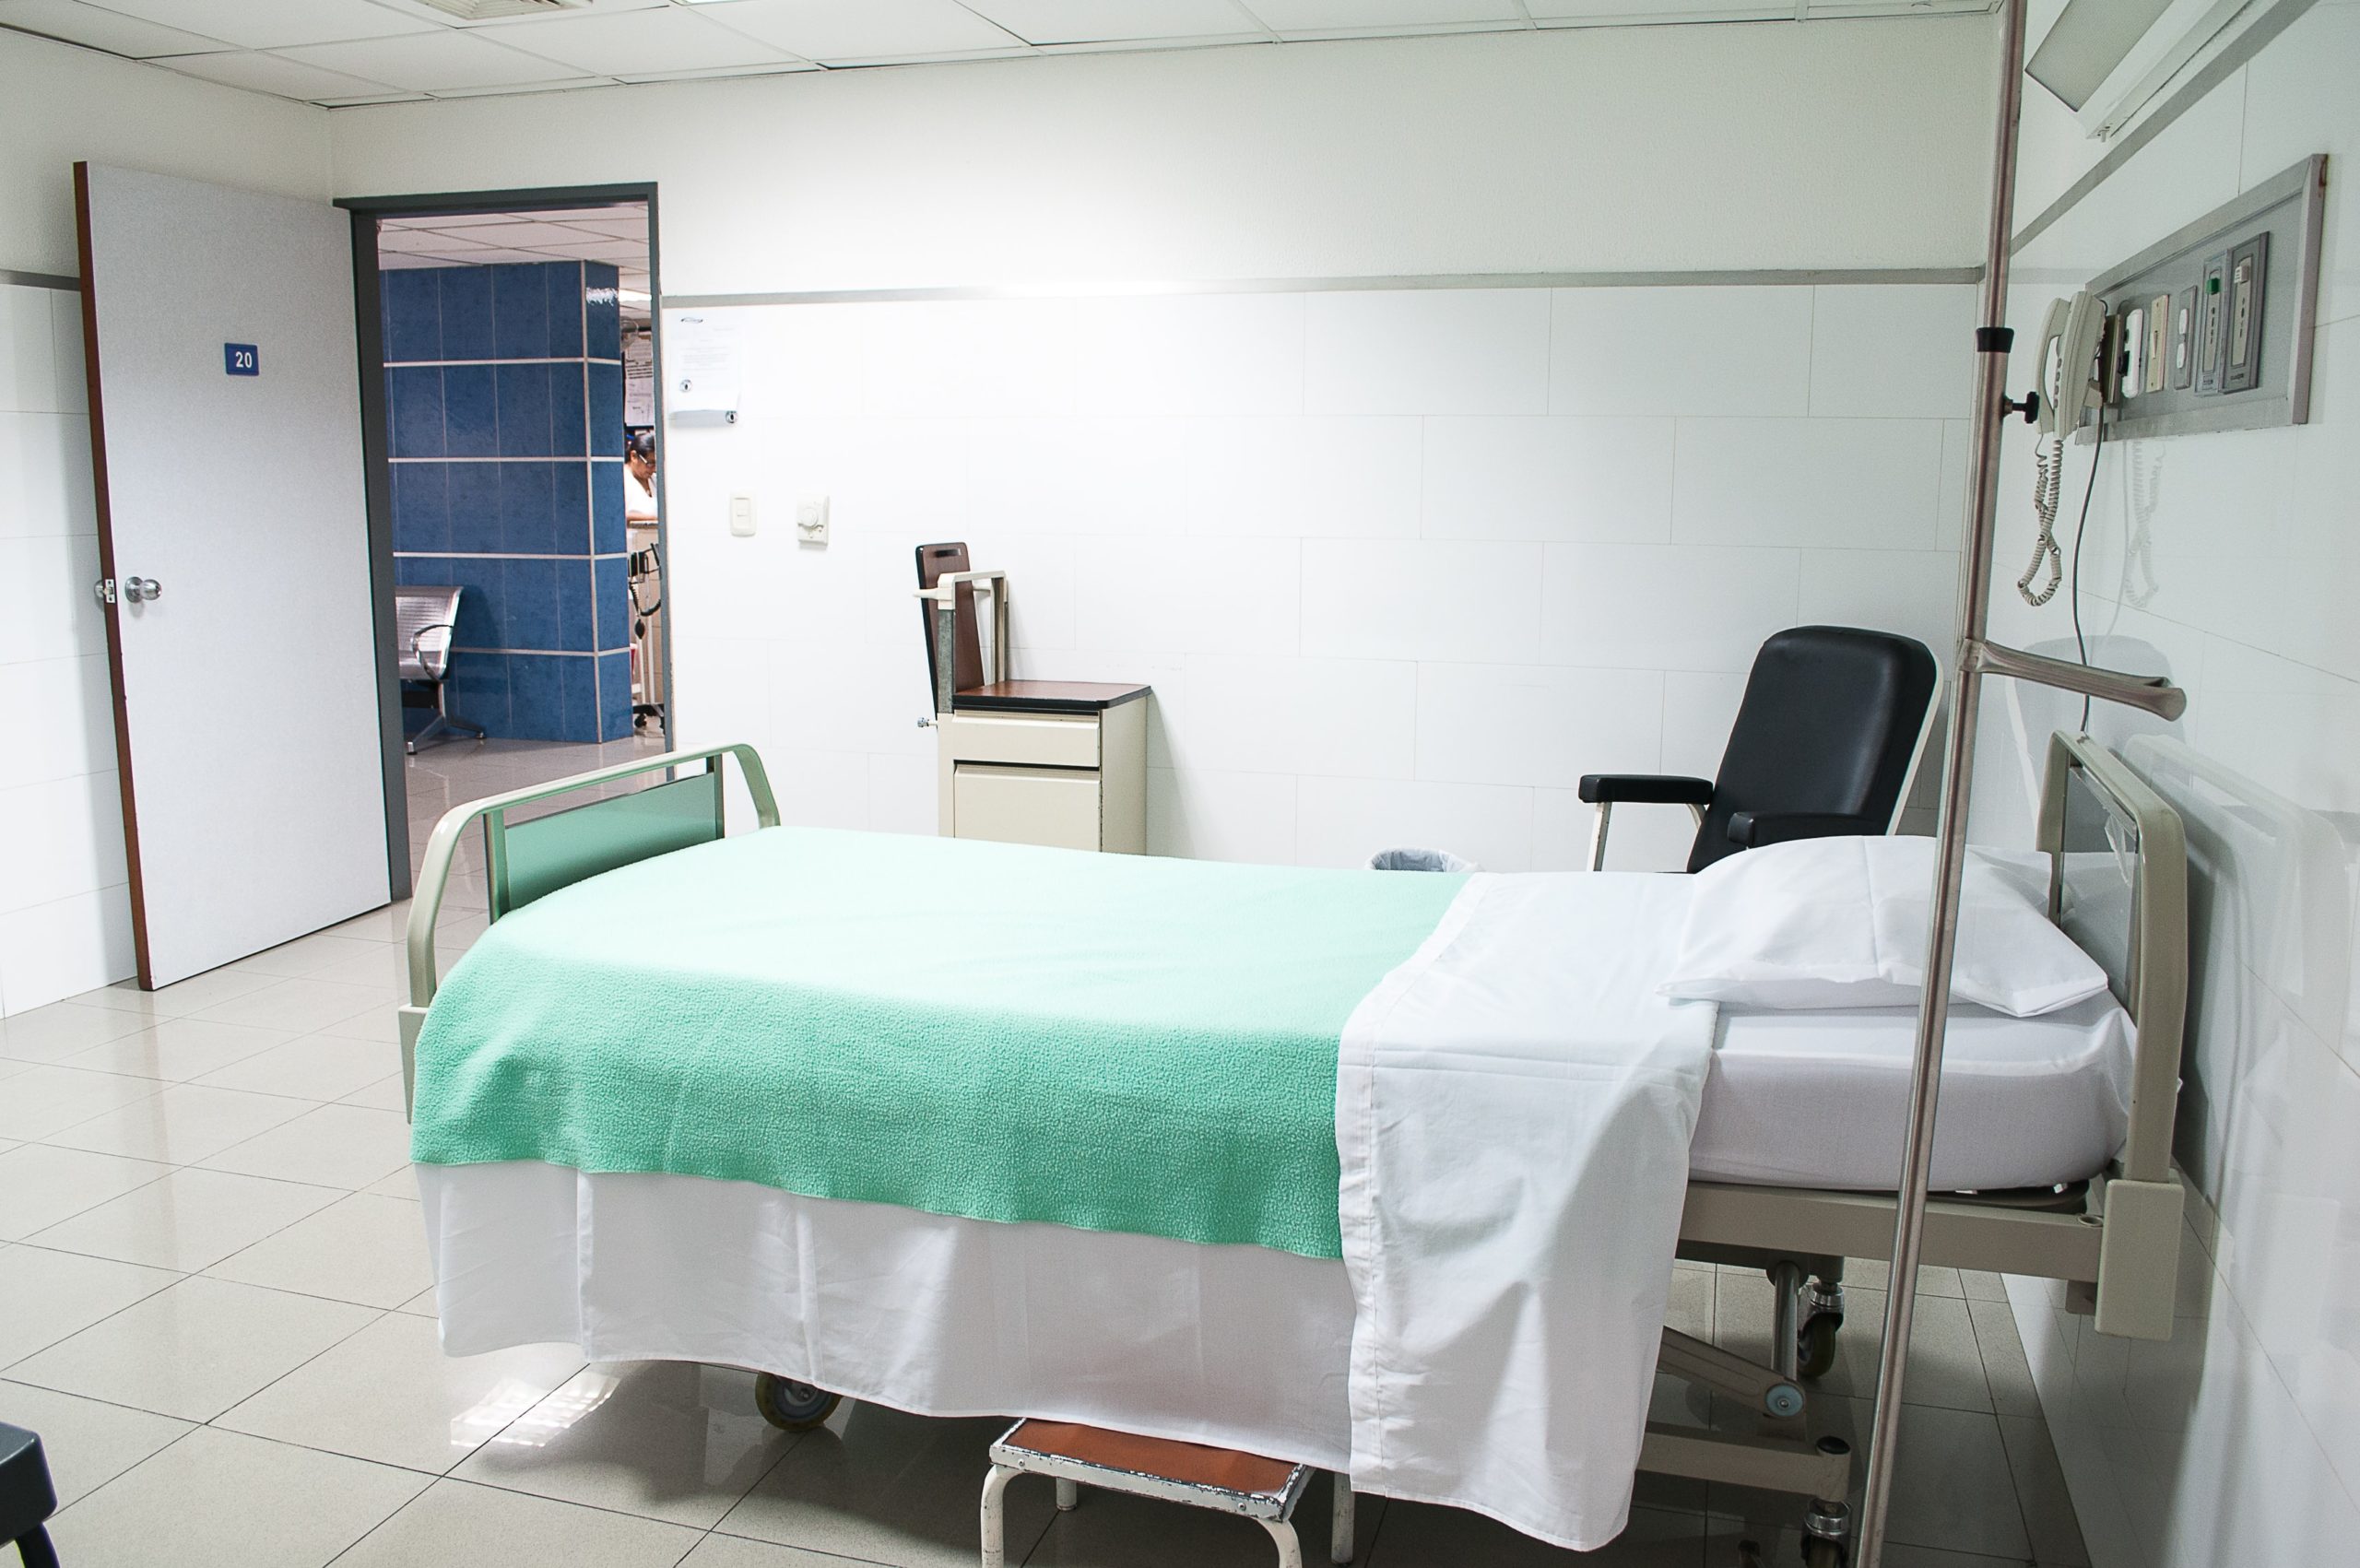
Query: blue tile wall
[(614, 695), (606, 531), (500, 383)]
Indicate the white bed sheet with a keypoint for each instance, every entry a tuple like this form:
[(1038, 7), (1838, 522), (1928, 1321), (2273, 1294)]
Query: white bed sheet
[(1820, 1099)]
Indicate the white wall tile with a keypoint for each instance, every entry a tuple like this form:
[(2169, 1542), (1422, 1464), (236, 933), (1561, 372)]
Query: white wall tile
[(1911, 592), (1224, 354), (1421, 599), (61, 838), (1680, 352), (955, 357), (73, 386), (60, 720), (2298, 101), (1427, 351), (46, 486), (1869, 356), (1189, 597), (1040, 585), (1349, 717), (1642, 838), (1536, 723), (1076, 475), (1602, 477), (54, 951), (1215, 815), (51, 614), (904, 795), (1321, 477), (1870, 484), (1343, 821), (28, 349), (1699, 711), (1672, 607)]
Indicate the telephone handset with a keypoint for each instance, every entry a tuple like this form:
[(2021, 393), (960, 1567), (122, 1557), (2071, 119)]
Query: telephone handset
[(2067, 374)]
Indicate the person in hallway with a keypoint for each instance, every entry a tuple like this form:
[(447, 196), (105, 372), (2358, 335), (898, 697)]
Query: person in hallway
[(639, 492)]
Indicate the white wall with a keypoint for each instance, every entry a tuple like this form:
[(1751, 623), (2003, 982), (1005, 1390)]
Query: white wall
[(64, 908), (1400, 566), (1831, 144), (59, 104), (2229, 561)]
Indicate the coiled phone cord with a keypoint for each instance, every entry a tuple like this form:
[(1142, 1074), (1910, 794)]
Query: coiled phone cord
[(2049, 475)]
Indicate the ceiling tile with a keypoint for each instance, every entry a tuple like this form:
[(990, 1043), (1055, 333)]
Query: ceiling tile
[(591, 216), (674, 39), (784, 67), (1091, 21), (831, 29), (394, 261), (268, 72), (451, 220), (1297, 17), (111, 30), (444, 18), (272, 24), (489, 258), (431, 62), (566, 84), (1571, 13)]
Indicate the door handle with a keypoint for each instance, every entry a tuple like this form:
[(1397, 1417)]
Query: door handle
[(140, 590)]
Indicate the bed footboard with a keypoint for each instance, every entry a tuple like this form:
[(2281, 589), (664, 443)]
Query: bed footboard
[(529, 853)]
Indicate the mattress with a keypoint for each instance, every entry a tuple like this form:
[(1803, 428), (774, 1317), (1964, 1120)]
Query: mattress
[(1820, 1099), (1241, 1347)]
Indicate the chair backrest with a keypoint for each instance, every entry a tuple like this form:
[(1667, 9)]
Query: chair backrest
[(1832, 722), (423, 622), (934, 562)]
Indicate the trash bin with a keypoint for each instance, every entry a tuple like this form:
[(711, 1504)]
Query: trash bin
[(1417, 860)]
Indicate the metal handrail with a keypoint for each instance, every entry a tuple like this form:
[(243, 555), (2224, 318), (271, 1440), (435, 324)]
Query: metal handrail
[(426, 901)]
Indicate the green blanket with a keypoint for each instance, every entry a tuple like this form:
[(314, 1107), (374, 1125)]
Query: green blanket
[(1105, 1041)]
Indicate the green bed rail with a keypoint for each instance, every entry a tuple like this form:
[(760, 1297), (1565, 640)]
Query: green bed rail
[(528, 858)]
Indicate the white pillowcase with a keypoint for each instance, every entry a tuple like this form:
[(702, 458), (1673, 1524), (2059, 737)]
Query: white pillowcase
[(1841, 922)]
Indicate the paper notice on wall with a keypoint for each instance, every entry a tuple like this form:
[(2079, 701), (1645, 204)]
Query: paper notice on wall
[(639, 380), (703, 363)]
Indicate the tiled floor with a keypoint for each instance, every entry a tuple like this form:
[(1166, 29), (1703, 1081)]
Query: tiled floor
[(215, 1307)]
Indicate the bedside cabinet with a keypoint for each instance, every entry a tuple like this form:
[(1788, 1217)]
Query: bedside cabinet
[(1055, 762)]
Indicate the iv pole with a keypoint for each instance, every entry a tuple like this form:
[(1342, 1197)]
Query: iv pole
[(1976, 657)]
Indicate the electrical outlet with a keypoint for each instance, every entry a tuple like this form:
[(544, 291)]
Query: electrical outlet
[(811, 520)]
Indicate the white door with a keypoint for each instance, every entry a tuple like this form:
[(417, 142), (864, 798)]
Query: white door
[(225, 416)]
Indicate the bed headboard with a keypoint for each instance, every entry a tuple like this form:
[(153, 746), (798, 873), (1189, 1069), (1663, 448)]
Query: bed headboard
[(2118, 885)]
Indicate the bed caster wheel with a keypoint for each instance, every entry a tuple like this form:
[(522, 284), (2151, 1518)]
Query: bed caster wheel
[(1821, 1553), (791, 1406), (1815, 1344)]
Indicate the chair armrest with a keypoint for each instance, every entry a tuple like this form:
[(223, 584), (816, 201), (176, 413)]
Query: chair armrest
[(1754, 829), (1644, 789), (437, 626)]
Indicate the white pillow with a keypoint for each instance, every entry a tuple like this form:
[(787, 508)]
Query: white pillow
[(1841, 922)]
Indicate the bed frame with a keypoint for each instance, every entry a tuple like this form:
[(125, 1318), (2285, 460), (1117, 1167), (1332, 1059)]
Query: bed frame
[(2117, 858)]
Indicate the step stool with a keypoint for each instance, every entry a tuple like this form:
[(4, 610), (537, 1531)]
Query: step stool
[(1264, 1490), (27, 1499)]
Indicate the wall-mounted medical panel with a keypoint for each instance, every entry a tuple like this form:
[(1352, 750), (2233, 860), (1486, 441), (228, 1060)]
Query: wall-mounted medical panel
[(2212, 324)]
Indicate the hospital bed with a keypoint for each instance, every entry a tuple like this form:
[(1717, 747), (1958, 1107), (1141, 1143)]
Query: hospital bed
[(2053, 1162)]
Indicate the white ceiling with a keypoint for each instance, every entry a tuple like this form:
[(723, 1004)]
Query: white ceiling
[(617, 235), (348, 52)]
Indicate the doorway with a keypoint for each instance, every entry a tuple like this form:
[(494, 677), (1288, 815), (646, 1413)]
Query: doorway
[(511, 413)]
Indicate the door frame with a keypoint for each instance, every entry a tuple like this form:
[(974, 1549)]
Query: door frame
[(375, 451)]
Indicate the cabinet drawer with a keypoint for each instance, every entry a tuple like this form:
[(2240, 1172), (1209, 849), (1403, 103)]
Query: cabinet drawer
[(1058, 806), (1039, 742)]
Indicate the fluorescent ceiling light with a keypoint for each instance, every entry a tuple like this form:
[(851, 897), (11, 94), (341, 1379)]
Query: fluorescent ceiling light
[(2089, 40)]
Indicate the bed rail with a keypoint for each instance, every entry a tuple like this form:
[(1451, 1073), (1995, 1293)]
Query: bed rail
[(528, 858)]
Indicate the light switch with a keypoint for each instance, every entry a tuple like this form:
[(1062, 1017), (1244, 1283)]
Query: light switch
[(741, 515), (811, 520)]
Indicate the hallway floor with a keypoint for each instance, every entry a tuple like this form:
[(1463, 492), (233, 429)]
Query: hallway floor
[(216, 1308)]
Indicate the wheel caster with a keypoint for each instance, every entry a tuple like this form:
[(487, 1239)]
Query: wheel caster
[(1815, 1344), (791, 1406), (1821, 1553)]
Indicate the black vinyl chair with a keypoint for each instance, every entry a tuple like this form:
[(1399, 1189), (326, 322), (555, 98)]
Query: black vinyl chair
[(1826, 741), (27, 1499)]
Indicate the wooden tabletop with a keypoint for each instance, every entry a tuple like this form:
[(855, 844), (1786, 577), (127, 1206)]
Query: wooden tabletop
[(1045, 695)]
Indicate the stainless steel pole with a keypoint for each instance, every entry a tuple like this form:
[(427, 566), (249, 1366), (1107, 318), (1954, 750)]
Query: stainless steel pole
[(1974, 618)]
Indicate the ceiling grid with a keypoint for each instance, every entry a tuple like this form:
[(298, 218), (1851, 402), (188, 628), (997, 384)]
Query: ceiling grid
[(343, 52)]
